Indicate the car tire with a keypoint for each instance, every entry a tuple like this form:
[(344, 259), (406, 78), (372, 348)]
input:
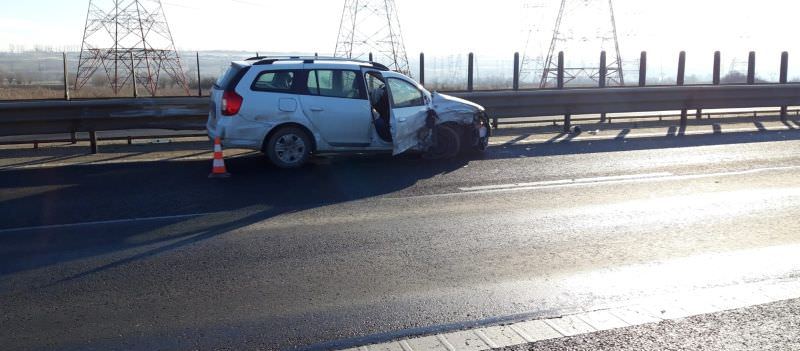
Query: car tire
[(448, 143), (289, 147), (471, 145)]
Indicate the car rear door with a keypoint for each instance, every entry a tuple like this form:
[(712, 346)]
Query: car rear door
[(273, 94), (337, 106)]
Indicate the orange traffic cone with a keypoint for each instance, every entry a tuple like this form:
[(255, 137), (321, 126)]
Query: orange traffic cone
[(218, 166)]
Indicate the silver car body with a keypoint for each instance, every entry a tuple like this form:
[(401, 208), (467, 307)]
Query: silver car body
[(335, 124)]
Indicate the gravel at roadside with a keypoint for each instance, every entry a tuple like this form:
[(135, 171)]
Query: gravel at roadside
[(774, 326)]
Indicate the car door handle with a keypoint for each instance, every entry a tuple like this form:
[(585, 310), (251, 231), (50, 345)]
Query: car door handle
[(402, 120), (317, 109)]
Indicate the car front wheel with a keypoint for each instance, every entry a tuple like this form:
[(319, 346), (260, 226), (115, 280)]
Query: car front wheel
[(289, 147), (447, 143)]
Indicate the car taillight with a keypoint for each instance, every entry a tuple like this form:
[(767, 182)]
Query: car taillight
[(231, 103)]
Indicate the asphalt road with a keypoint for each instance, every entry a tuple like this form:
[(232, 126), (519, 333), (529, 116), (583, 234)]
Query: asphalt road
[(153, 255)]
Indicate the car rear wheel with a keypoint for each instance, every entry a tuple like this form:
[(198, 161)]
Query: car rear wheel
[(447, 145), (289, 147)]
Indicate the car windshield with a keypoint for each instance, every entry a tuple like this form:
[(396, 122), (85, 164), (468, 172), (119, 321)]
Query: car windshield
[(399, 175)]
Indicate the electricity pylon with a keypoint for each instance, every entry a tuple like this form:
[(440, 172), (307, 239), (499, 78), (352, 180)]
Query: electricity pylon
[(582, 29), (372, 26), (129, 40)]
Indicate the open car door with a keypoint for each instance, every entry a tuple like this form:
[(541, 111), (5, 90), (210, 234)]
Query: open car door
[(409, 110)]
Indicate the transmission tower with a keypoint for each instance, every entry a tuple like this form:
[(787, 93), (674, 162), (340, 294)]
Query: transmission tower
[(532, 57), (582, 29), (129, 40), (372, 26)]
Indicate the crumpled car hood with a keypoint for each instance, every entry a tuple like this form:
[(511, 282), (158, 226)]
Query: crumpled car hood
[(444, 104)]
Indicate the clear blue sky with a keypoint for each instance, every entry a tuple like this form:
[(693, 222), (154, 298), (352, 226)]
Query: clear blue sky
[(442, 26)]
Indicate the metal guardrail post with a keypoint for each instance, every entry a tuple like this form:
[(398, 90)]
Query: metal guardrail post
[(680, 81), (422, 68), (560, 85), (602, 78), (681, 68), (603, 70), (717, 60), (470, 71), (751, 68), (643, 69), (66, 78), (199, 86), (93, 141), (515, 83), (784, 78), (133, 77), (560, 72)]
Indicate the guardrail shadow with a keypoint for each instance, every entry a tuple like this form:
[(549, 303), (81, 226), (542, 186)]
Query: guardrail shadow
[(674, 137), (533, 128), (161, 193)]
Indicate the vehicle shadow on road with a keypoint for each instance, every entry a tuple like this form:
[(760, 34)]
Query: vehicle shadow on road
[(162, 194), (169, 191)]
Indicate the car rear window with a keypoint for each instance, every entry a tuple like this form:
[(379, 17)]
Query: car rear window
[(231, 76), (278, 81)]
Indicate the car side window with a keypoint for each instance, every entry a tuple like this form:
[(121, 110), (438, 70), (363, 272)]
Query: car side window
[(277, 81), (404, 94), (336, 83)]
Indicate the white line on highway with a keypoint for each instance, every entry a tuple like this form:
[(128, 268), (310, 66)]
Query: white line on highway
[(566, 181), (114, 221), (609, 180)]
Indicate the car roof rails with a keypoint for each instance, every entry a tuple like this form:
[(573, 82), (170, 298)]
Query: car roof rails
[(268, 60)]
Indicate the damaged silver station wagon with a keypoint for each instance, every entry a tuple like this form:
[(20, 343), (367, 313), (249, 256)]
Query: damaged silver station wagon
[(293, 107)]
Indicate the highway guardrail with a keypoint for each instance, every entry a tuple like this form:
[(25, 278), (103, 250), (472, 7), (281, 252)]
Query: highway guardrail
[(190, 113)]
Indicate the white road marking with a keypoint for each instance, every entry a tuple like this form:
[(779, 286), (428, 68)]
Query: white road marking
[(664, 176), (446, 343), (521, 333), (113, 221), (485, 338), (406, 347), (567, 181)]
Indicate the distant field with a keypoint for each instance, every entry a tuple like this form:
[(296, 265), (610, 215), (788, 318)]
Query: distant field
[(38, 92)]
